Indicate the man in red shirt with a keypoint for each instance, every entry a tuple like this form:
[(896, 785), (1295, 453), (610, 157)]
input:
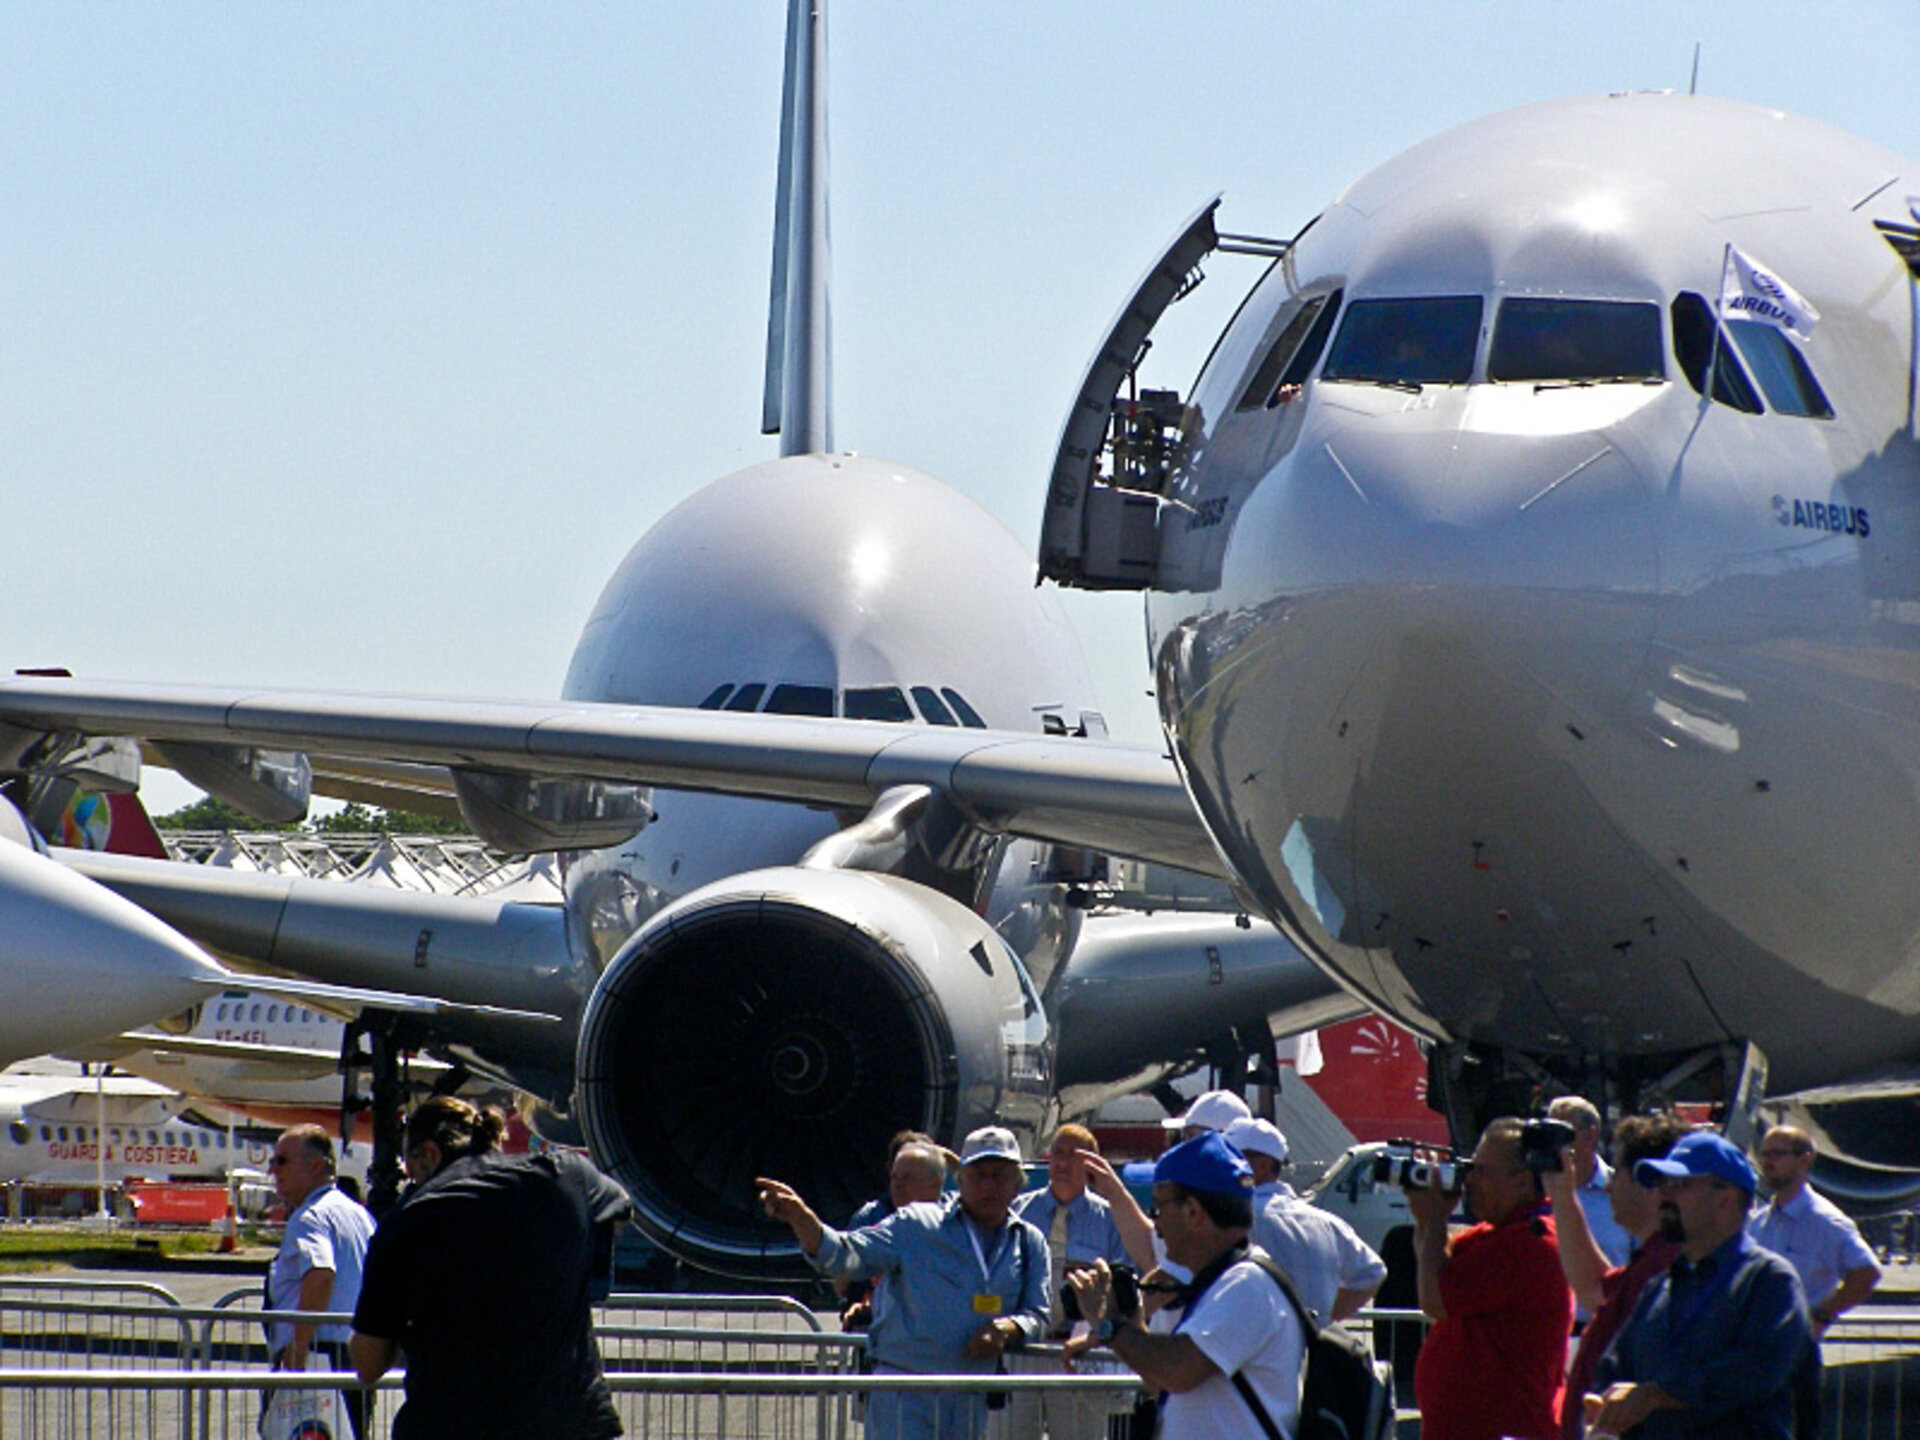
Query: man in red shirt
[(1494, 1363)]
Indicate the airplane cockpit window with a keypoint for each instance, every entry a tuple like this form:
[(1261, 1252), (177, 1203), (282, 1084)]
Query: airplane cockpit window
[(1291, 360), (969, 716), (932, 708), (1428, 340), (1693, 346), (717, 698), (1784, 375), (747, 697), (1576, 342), (801, 700), (878, 702), (19, 1132)]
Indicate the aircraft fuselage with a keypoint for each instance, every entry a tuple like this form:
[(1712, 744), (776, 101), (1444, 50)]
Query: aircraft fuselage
[(1570, 711)]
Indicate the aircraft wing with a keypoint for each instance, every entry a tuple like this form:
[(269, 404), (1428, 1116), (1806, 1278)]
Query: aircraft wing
[(284, 1062), (1124, 799), (265, 1061)]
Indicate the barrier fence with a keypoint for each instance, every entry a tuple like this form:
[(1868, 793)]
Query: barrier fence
[(82, 1360)]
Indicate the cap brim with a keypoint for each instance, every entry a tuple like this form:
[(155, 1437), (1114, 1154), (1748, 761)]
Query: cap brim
[(1659, 1170)]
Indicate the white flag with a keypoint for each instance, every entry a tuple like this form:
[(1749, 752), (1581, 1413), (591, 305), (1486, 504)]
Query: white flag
[(1301, 1051), (1750, 291)]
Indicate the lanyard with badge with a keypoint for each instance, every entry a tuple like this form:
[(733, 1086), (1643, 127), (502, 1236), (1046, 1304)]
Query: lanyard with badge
[(986, 1301)]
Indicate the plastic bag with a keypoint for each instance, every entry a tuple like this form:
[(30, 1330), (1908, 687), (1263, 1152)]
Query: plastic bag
[(305, 1414)]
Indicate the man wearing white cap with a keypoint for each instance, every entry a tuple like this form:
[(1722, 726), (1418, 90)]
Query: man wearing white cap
[(969, 1281), (1335, 1271), (1215, 1110)]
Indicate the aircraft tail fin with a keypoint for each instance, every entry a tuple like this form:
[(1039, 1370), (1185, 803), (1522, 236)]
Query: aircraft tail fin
[(798, 401)]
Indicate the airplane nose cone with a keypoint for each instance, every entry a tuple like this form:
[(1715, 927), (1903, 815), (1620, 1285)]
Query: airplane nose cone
[(81, 962), (1438, 630), (1466, 495), (1401, 555)]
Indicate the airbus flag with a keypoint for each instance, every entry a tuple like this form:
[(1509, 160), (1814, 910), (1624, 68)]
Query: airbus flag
[(1750, 291)]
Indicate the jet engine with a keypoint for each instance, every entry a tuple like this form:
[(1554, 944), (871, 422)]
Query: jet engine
[(787, 1023)]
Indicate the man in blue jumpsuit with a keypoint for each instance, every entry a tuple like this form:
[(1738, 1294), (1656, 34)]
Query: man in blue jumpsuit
[(968, 1280)]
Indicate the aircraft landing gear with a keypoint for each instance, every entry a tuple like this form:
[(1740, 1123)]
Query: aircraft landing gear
[(1472, 1086), (389, 1039)]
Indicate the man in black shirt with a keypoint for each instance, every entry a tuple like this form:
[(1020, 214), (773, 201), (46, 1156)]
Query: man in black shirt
[(481, 1275)]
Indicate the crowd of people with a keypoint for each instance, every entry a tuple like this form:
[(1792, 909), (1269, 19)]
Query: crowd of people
[(1691, 1309)]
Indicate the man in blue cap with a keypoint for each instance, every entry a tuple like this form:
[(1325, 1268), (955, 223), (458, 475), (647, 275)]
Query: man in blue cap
[(1236, 1321), (1712, 1347)]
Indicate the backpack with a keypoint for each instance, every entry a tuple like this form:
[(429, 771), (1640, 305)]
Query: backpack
[(1345, 1394)]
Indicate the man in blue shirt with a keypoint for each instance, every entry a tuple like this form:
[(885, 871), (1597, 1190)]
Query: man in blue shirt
[(1813, 1235), (916, 1170), (1712, 1347), (1591, 1176), (966, 1281), (321, 1255), (1080, 1229)]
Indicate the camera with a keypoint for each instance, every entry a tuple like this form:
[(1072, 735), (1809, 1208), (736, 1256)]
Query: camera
[(1126, 1294), (1541, 1142), (1398, 1165)]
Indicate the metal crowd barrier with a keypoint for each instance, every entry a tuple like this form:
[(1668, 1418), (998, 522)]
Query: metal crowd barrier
[(153, 1403), (79, 1360)]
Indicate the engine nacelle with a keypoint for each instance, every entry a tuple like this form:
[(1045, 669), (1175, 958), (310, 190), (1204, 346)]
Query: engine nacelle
[(787, 1023)]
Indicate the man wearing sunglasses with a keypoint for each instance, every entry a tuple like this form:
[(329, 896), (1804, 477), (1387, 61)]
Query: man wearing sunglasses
[(318, 1265), (1713, 1346), (1238, 1344)]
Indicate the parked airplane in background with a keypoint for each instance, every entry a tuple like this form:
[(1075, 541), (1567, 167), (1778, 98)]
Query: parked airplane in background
[(276, 1063), (50, 1130), (907, 969)]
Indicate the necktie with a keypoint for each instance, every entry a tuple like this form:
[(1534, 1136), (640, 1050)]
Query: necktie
[(1057, 1254)]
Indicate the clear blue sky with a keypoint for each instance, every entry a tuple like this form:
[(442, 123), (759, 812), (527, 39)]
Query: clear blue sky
[(352, 346)]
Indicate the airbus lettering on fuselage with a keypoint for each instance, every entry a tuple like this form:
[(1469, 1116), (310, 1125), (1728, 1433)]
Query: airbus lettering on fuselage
[(1819, 515)]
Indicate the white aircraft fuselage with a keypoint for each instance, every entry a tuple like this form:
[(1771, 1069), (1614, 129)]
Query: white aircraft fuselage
[(1567, 713), (865, 589)]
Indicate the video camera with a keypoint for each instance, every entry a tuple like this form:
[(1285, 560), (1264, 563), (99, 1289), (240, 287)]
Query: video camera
[(1542, 1141), (1126, 1294), (1398, 1165)]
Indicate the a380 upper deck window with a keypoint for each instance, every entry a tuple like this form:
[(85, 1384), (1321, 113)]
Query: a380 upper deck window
[(1575, 341), (877, 702), (800, 700), (1427, 340)]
